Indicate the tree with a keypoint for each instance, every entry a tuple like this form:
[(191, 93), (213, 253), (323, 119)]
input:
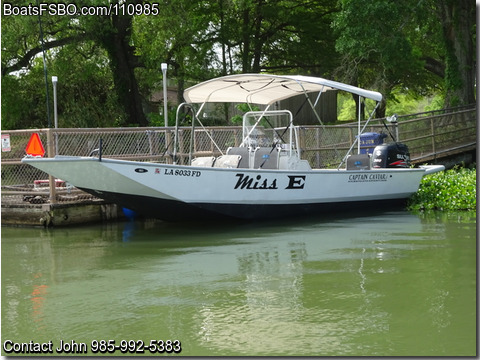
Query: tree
[(180, 36), (114, 36), (376, 47), (406, 46), (277, 35), (457, 18), (21, 45), (387, 45), (86, 96), (23, 101)]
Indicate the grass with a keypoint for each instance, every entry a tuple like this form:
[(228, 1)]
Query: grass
[(453, 189)]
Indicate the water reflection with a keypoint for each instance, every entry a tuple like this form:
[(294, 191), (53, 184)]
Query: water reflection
[(388, 284)]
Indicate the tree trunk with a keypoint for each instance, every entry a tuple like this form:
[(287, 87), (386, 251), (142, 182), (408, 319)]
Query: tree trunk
[(123, 63), (458, 21), (246, 40), (258, 41), (222, 38), (124, 74), (180, 89), (381, 109)]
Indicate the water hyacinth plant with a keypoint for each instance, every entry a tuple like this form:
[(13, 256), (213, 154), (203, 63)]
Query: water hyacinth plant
[(453, 189)]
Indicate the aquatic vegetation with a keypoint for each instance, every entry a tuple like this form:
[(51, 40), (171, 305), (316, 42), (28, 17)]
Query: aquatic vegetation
[(453, 189)]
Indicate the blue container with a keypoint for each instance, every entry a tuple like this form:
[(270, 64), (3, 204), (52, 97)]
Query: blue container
[(369, 140), (129, 214)]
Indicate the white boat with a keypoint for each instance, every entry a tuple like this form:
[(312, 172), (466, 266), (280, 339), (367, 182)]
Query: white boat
[(264, 177)]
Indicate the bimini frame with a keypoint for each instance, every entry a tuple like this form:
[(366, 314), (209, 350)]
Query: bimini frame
[(265, 89)]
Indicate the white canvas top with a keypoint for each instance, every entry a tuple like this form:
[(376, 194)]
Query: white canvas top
[(265, 89)]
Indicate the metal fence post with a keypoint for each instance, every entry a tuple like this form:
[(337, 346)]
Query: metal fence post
[(51, 153), (168, 145), (317, 144), (432, 127)]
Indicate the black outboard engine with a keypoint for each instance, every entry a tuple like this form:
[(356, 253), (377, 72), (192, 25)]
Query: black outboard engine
[(394, 155)]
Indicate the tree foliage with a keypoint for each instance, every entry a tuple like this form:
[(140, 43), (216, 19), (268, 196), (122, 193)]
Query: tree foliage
[(418, 46), (109, 65)]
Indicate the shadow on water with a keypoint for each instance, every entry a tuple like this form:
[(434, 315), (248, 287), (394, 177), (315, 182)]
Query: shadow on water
[(218, 230)]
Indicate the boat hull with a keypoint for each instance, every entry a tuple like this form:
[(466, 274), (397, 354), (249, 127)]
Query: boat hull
[(174, 211), (176, 193)]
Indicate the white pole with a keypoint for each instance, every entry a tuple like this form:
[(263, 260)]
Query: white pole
[(359, 117), (165, 107), (54, 81)]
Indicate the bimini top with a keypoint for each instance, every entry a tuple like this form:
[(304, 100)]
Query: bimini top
[(265, 89)]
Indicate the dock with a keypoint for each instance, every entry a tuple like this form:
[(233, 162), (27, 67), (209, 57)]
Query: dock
[(33, 198), (66, 214)]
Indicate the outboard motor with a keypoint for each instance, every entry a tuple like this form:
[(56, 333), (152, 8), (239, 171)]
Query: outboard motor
[(394, 155)]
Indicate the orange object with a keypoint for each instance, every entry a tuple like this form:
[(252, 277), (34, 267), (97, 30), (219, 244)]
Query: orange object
[(34, 146)]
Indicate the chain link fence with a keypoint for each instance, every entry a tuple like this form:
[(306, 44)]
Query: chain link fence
[(322, 146)]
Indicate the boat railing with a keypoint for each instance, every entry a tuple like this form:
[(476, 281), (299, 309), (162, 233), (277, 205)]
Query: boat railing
[(278, 127), (269, 141), (195, 120)]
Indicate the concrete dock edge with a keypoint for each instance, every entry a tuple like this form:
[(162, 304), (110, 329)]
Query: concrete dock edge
[(48, 215)]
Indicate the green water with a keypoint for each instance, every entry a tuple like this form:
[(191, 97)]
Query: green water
[(390, 284)]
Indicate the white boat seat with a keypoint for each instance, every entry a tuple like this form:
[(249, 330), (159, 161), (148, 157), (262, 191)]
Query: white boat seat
[(204, 161), (266, 158), (228, 161)]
